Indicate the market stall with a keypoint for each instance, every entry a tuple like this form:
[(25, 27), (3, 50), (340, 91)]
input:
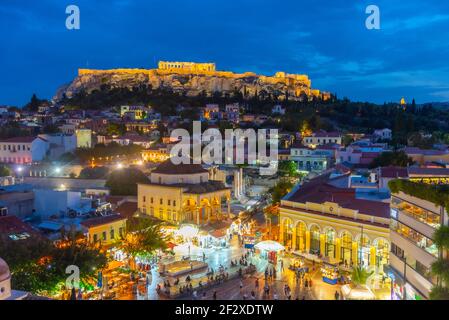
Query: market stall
[(330, 274), (269, 250)]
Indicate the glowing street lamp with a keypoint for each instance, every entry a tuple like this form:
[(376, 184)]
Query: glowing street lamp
[(119, 166)]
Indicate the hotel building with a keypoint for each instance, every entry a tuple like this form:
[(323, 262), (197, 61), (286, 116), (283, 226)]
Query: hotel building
[(413, 224)]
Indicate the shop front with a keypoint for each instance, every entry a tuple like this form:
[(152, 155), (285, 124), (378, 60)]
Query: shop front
[(401, 290)]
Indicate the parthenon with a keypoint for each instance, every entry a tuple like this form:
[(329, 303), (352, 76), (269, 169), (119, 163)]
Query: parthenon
[(187, 66)]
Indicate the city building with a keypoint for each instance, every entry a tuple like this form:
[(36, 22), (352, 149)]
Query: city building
[(105, 230), (321, 219), (17, 200), (311, 160), (322, 137), (423, 156), (134, 112), (414, 221), (83, 138), (183, 193), (383, 134), (59, 144), (23, 150), (158, 153)]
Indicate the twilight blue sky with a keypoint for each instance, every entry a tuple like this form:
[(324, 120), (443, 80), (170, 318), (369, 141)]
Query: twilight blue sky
[(327, 40)]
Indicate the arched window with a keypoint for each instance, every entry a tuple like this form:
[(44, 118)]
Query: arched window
[(287, 232), (301, 229), (315, 239), (382, 251), (330, 243), (346, 248), (364, 252)]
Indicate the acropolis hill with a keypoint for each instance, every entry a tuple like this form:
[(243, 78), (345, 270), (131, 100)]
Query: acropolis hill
[(193, 79)]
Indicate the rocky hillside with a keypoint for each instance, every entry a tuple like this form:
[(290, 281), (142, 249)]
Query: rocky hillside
[(281, 85)]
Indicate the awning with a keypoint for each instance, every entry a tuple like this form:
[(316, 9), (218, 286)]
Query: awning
[(270, 245), (220, 233)]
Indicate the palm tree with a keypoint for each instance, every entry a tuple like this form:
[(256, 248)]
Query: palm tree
[(360, 276), (440, 268), (143, 237)]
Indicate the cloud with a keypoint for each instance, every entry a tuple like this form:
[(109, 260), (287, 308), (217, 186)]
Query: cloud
[(416, 22)]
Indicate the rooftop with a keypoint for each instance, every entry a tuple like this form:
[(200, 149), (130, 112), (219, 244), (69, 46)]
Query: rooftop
[(13, 227), (21, 139), (127, 209), (319, 191), (102, 221), (168, 167), (393, 172)]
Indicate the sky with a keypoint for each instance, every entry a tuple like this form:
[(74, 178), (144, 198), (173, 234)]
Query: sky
[(327, 40)]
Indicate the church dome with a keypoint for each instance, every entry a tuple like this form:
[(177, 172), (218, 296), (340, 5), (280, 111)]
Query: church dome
[(4, 271)]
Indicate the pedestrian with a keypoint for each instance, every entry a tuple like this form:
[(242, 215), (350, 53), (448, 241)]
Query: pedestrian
[(215, 295), (257, 283), (241, 285), (253, 295), (337, 295), (275, 296), (282, 265)]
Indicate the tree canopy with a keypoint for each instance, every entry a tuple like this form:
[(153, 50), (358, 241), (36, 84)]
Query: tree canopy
[(395, 158), (123, 182)]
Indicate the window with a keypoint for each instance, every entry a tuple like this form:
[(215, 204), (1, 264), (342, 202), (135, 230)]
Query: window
[(112, 234), (151, 200), (95, 238), (174, 203), (415, 237), (120, 232), (144, 199), (398, 252), (161, 201), (425, 216), (104, 236), (169, 202)]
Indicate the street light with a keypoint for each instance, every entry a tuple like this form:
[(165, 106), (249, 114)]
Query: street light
[(57, 170)]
